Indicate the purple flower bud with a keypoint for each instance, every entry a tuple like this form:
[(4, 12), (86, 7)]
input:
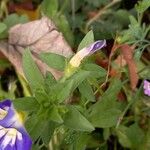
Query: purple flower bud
[(96, 46), (146, 87), (13, 135), (86, 51)]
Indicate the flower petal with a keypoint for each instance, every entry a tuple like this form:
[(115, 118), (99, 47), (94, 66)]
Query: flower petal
[(13, 135), (77, 58)]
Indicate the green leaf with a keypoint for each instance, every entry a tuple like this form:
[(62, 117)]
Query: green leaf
[(142, 6), (32, 72), (2, 27), (106, 118), (26, 104), (122, 136), (12, 20), (96, 71), (4, 63), (106, 133), (63, 25), (53, 60), (65, 92), (81, 141), (71, 84), (54, 115), (75, 120), (50, 79), (48, 131), (41, 96), (87, 40), (50, 7), (145, 145), (105, 112), (86, 91), (35, 126), (130, 137), (133, 132)]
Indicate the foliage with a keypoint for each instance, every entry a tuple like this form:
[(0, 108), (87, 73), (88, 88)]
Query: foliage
[(94, 106)]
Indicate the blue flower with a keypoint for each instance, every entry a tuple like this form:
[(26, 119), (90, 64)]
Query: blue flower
[(13, 135), (86, 51)]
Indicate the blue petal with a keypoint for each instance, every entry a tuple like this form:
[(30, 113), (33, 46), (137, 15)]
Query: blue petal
[(24, 144), (96, 46), (7, 104)]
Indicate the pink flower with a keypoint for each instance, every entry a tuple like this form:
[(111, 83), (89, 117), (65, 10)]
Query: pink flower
[(146, 87)]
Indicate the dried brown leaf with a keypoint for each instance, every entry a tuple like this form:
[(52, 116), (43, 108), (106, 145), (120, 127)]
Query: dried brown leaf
[(40, 36), (127, 52)]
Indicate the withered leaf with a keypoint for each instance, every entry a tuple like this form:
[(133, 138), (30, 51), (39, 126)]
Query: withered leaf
[(40, 36), (127, 52)]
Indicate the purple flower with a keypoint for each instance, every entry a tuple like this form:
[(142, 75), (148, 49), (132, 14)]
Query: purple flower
[(13, 135), (86, 51), (146, 87)]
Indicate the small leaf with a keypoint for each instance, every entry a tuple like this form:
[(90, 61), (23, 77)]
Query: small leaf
[(81, 141), (26, 104), (12, 20), (96, 71), (122, 136), (53, 60), (50, 7), (48, 131), (133, 132), (2, 27), (106, 118), (86, 91), (41, 96), (35, 126), (54, 115), (142, 6), (87, 40), (63, 25), (75, 120), (65, 92), (106, 133), (105, 112), (31, 71), (71, 84)]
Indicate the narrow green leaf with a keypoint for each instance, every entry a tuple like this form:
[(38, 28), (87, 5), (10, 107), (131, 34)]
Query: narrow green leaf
[(53, 60), (106, 119), (31, 71), (48, 131), (71, 84), (86, 91), (96, 71), (50, 7), (105, 112), (41, 96), (35, 126), (65, 92), (122, 136), (142, 5), (87, 40), (75, 120), (63, 25), (2, 27), (133, 132), (54, 115), (26, 104)]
